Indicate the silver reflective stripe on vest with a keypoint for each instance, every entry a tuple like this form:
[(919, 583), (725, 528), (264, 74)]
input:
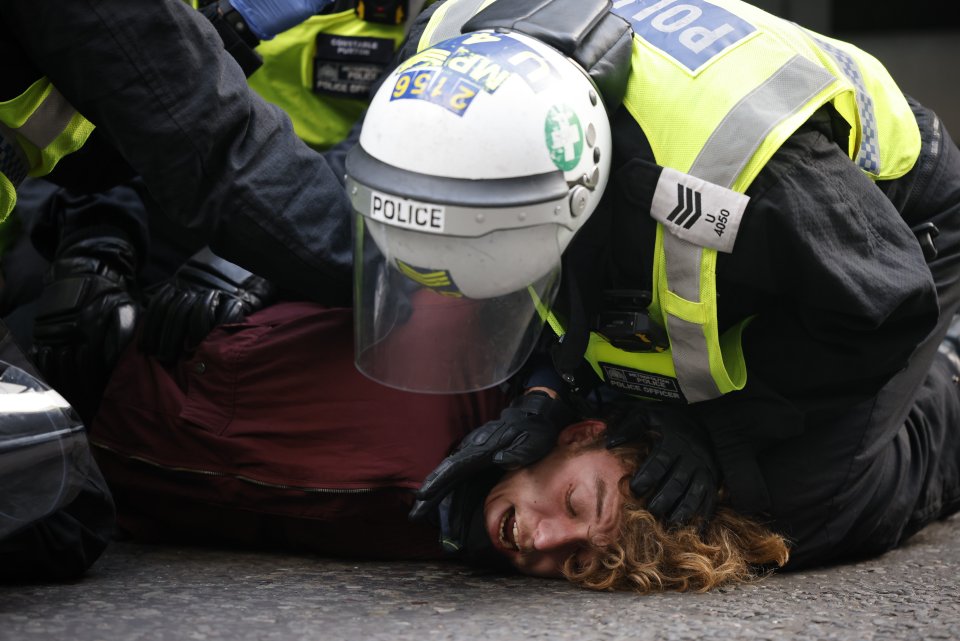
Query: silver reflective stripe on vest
[(457, 14), (742, 131), (722, 159), (13, 161), (48, 120)]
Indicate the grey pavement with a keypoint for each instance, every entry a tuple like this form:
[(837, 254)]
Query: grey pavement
[(142, 593)]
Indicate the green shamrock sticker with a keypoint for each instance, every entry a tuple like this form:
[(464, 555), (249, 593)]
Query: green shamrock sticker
[(564, 137)]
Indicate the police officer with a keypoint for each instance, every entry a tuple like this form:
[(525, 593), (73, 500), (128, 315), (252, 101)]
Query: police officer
[(214, 156), (183, 118), (321, 72), (216, 159), (764, 284)]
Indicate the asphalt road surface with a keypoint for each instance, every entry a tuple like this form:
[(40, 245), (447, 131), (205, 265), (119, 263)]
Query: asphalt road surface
[(142, 593)]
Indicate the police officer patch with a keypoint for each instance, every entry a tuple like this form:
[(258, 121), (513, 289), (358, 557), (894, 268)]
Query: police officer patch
[(348, 66)]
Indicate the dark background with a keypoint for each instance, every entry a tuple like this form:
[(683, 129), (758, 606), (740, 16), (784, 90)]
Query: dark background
[(918, 41)]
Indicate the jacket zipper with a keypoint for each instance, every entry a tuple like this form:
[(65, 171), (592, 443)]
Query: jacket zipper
[(246, 479)]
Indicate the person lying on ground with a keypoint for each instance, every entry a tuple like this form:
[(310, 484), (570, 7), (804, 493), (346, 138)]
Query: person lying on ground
[(266, 436)]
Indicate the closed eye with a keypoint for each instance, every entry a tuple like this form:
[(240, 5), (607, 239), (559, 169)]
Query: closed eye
[(569, 503)]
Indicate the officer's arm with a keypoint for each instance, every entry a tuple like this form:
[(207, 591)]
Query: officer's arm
[(215, 156), (843, 291)]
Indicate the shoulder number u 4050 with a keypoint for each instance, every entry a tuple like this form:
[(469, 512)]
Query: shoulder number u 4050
[(719, 221)]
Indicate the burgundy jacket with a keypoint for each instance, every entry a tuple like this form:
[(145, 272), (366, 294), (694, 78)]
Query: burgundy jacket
[(269, 436)]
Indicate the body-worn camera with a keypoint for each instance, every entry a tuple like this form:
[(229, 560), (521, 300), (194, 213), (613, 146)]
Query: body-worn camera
[(383, 11), (626, 323)]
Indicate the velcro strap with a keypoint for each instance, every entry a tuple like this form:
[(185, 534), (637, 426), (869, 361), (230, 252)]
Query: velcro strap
[(561, 24)]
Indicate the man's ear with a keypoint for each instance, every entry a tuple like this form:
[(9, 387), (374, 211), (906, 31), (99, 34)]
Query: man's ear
[(581, 433)]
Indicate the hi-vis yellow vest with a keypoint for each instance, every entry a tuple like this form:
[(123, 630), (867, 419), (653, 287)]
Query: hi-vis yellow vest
[(321, 71), (717, 87), (37, 129)]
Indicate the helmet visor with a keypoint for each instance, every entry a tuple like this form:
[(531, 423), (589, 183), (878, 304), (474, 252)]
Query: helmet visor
[(448, 314)]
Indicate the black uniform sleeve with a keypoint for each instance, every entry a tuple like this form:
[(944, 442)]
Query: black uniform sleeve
[(842, 298), (838, 281), (156, 81)]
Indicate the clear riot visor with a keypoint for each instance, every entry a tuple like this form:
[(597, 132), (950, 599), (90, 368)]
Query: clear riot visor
[(416, 329)]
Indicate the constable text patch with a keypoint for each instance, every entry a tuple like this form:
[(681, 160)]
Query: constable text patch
[(698, 211), (347, 66)]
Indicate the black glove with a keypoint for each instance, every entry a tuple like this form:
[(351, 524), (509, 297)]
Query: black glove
[(206, 291), (86, 316), (525, 432), (681, 473), (600, 41), (463, 530)]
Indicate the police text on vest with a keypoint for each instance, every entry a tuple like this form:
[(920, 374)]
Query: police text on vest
[(691, 32)]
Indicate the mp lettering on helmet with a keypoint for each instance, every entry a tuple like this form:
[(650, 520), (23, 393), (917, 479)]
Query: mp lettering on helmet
[(403, 212), (690, 32), (454, 72)]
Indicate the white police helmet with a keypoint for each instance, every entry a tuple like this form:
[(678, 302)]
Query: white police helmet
[(478, 161)]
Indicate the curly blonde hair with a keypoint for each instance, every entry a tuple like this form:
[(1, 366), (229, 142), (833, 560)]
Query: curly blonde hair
[(649, 557)]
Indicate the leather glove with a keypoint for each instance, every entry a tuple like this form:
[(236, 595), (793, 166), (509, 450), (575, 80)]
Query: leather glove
[(86, 316), (206, 291), (681, 475), (525, 432), (600, 41), (267, 18)]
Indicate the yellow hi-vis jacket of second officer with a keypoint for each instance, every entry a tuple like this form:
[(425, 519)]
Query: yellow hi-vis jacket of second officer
[(717, 87), (321, 71)]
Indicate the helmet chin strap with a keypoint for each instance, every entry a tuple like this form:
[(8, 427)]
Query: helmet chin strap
[(567, 354)]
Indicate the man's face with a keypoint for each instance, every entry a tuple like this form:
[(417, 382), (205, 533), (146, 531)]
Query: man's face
[(541, 515)]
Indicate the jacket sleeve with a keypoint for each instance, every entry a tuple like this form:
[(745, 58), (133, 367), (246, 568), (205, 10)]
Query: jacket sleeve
[(843, 298), (156, 81), (838, 281)]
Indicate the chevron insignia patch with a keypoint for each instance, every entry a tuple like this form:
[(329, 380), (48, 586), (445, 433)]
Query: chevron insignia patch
[(698, 211)]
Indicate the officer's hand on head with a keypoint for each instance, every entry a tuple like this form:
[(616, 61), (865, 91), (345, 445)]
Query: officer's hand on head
[(525, 432), (205, 292), (86, 316), (267, 18), (600, 41), (681, 477)]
